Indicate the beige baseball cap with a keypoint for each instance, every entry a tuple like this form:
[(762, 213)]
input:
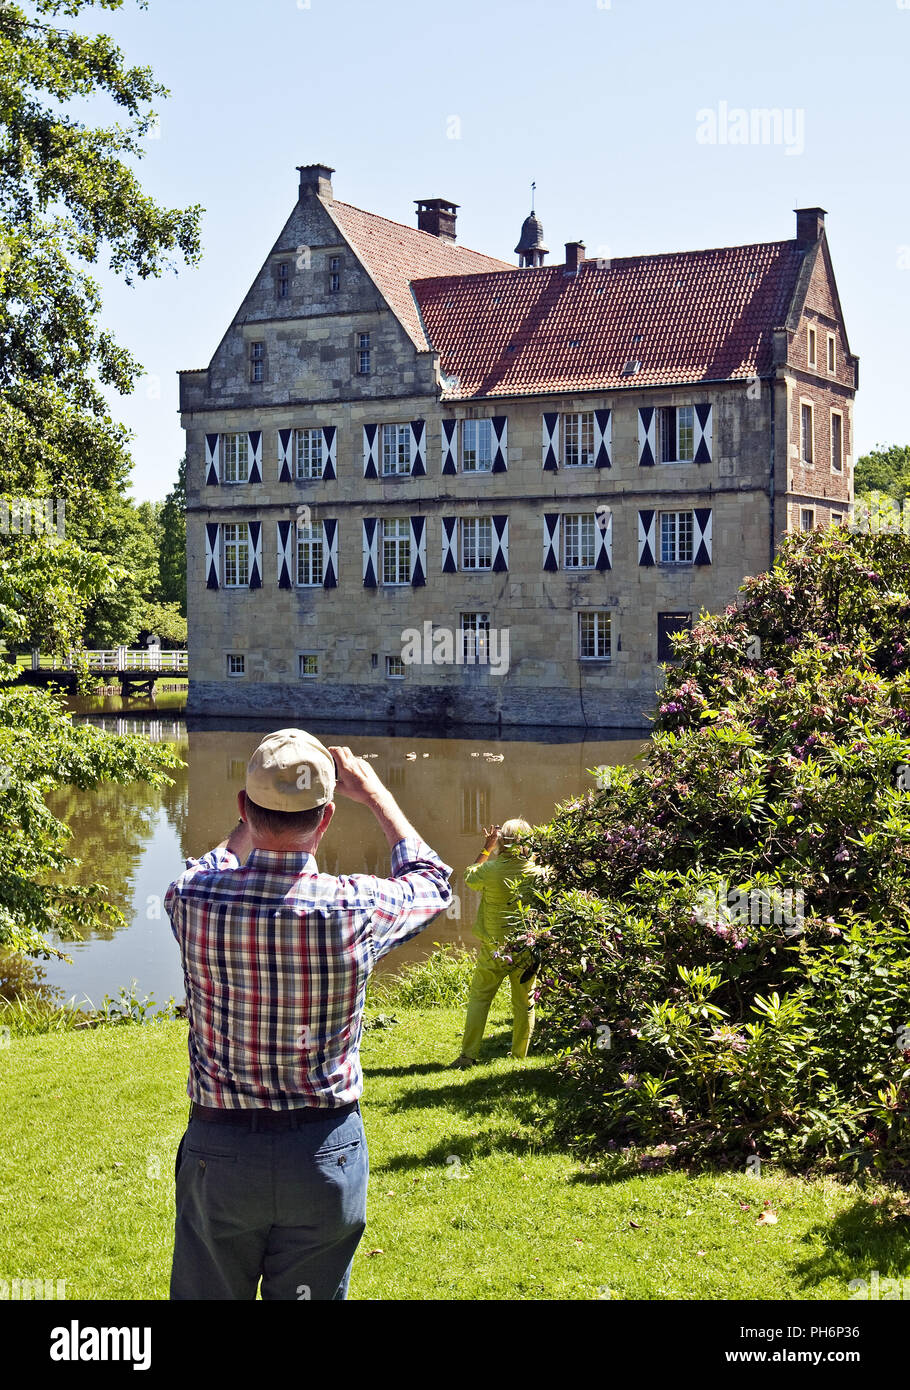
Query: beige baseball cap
[(290, 771)]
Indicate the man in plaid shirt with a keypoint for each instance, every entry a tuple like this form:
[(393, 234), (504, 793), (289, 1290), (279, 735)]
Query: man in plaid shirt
[(272, 1171)]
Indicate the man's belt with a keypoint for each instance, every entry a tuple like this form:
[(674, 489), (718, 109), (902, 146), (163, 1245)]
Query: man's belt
[(270, 1119)]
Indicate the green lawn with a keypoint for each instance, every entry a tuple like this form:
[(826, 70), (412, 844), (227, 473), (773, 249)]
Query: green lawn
[(465, 1202)]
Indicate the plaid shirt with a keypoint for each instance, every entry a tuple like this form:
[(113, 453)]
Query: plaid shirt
[(276, 957)]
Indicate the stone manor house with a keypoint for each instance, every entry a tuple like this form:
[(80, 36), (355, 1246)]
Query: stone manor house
[(428, 484)]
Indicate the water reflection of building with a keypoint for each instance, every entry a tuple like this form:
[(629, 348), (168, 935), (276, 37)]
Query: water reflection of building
[(475, 806), (448, 795)]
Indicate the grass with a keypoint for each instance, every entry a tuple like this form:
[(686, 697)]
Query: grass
[(467, 1201)]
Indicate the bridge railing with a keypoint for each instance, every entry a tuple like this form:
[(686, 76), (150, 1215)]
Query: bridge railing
[(128, 659)]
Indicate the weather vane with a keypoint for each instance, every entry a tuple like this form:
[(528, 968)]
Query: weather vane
[(533, 186)]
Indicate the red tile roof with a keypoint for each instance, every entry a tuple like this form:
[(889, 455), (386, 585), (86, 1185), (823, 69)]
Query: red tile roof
[(686, 317), (394, 255)]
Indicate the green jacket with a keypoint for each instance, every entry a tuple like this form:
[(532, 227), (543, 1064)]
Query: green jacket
[(498, 900)]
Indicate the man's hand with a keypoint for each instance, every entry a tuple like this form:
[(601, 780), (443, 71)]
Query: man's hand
[(354, 778)]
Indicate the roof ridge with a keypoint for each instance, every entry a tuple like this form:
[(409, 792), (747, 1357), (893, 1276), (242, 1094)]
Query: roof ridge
[(417, 231), (527, 271)]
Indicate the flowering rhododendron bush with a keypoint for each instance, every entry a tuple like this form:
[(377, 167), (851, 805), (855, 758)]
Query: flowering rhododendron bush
[(725, 932)]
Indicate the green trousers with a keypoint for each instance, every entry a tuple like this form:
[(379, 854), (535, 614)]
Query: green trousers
[(488, 976)]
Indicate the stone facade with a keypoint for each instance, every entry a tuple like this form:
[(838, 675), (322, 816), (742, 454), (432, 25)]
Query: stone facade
[(263, 647)]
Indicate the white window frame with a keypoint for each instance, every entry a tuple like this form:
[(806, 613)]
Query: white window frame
[(476, 625), (400, 548), (673, 531), (575, 426), (572, 521), (395, 447), (679, 430), (839, 415), (810, 461), (474, 426), (837, 518), (310, 537), (479, 528), (811, 347), (313, 436), (234, 546), (257, 362), (804, 512), (364, 354), (394, 675), (831, 354), (603, 640), (242, 456), (232, 670), (307, 675), (335, 275)]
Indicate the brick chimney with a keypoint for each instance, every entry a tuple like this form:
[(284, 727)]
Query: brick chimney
[(575, 254), (810, 223), (316, 179), (436, 216)]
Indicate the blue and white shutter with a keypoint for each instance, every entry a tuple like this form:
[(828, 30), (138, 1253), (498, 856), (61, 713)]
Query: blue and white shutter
[(330, 554), (254, 456), (418, 448), (418, 551), (371, 451), (500, 544), (255, 573), (329, 445), (603, 541), (550, 441), (603, 438), (704, 430), (212, 459), (647, 436), (286, 532), (450, 544), (552, 526), (450, 447), (285, 455), (370, 552), (500, 426), (701, 536), (647, 537), (212, 555)]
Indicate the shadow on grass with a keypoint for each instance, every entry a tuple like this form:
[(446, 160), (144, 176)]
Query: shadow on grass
[(857, 1242), (514, 1104)]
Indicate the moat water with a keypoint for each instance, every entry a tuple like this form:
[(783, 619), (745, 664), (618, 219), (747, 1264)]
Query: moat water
[(135, 839)]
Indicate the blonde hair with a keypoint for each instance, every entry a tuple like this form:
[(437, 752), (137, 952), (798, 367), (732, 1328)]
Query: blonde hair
[(511, 831)]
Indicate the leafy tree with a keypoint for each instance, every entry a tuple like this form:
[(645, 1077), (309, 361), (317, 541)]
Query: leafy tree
[(67, 197), (130, 531), (724, 939), (166, 620), (885, 470), (172, 543)]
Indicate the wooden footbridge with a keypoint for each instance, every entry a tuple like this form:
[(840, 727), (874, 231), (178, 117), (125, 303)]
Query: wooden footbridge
[(135, 668)]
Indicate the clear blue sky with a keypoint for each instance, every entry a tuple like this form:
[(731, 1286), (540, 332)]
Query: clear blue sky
[(597, 103)]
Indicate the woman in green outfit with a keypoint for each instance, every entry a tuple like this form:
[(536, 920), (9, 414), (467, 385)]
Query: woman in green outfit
[(502, 873)]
